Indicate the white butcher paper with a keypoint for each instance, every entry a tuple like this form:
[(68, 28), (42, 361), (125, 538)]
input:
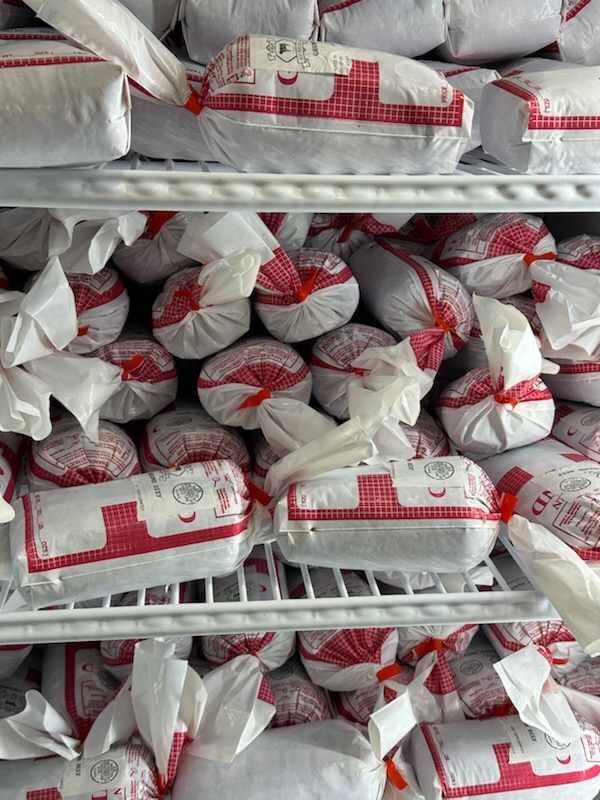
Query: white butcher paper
[(77, 109), (578, 426), (25, 403), (160, 16), (408, 28), (332, 759), (496, 30), (576, 380), (506, 405), (297, 699), (24, 237), (578, 41), (161, 527), (529, 122), (110, 30), (391, 516), (379, 113)]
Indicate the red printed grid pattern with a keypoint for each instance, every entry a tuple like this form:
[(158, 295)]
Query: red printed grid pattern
[(69, 651), (331, 271), (514, 480), (504, 234), (513, 777), (156, 366), (44, 794), (544, 122), (171, 307), (540, 291), (581, 368), (91, 291), (368, 224), (586, 554), (441, 681), (67, 477), (338, 6), (180, 740), (192, 448), (328, 354), (46, 61), (279, 275), (273, 221), (355, 97), (477, 386), (222, 648), (257, 370), (346, 647), (378, 499), (577, 457), (455, 643), (427, 440), (581, 254), (428, 347), (576, 8), (562, 411), (265, 694), (542, 633), (123, 653), (125, 536)]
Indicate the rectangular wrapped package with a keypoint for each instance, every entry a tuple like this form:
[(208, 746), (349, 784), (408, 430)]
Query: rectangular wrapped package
[(440, 514), (162, 527), (77, 109), (326, 108)]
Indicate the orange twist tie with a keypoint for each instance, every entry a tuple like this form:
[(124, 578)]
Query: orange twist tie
[(255, 399), (394, 776), (83, 331), (162, 786), (307, 287), (508, 504), (193, 104), (385, 673), (130, 365), (187, 295), (441, 323), (529, 258), (560, 661), (157, 219), (504, 398), (345, 234), (428, 646)]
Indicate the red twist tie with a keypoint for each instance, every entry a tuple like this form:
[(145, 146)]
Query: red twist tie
[(385, 673), (255, 399), (130, 365), (83, 331), (307, 287), (429, 646), (393, 775), (506, 399), (193, 104), (508, 504), (258, 494), (441, 323), (162, 786), (345, 234), (529, 258), (157, 219), (187, 295)]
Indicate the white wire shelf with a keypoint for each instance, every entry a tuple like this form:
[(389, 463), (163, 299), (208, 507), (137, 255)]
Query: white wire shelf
[(478, 184), (436, 606)]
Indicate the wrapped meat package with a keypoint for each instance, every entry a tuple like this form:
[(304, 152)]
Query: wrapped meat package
[(414, 641), (440, 514), (496, 30), (102, 305), (331, 109), (585, 677), (358, 705), (68, 458), (153, 257), (492, 257), (346, 659), (576, 380), (290, 229), (342, 234), (556, 487), (272, 649), (408, 28), (578, 427), (578, 41), (208, 28), (504, 759), (174, 525), (331, 759), (148, 378), (77, 110), (297, 700), (506, 405), (426, 437), (188, 435), (479, 687), (412, 295), (543, 122)]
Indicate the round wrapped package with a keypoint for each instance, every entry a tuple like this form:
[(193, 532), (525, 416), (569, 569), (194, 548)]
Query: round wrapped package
[(431, 514), (556, 487), (585, 677), (479, 687), (581, 251), (342, 234), (117, 654), (102, 306), (415, 641), (290, 229), (576, 380), (188, 435), (273, 648), (412, 295), (492, 256), (316, 294), (297, 700), (358, 705), (148, 378), (578, 426), (408, 28), (201, 310), (68, 458), (331, 363), (154, 256), (346, 659), (426, 437)]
